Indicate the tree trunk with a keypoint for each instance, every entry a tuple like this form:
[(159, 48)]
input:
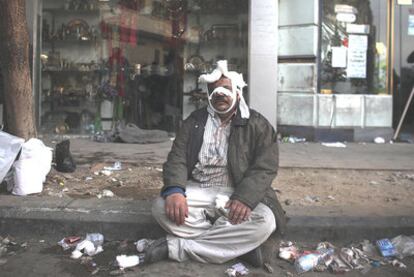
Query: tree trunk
[(14, 63)]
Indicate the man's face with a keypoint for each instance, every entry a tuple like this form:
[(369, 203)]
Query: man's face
[(220, 101)]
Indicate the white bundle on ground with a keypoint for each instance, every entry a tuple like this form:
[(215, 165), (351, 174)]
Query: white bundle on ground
[(32, 167), (9, 148)]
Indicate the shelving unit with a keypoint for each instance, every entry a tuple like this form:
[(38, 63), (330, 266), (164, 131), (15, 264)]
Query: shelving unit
[(223, 35), (71, 71)]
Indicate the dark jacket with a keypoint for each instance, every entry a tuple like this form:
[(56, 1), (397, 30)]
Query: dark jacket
[(252, 159)]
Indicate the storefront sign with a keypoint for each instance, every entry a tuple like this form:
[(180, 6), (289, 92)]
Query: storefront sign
[(339, 57), (405, 2), (357, 29), (357, 56), (345, 9), (411, 25), (358, 42), (346, 17)]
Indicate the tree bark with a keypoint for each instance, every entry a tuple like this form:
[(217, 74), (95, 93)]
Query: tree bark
[(14, 63)]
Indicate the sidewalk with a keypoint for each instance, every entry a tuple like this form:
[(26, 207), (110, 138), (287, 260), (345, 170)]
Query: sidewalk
[(398, 156), (127, 219)]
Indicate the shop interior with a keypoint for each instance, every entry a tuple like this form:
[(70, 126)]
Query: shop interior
[(111, 62), (403, 77), (354, 47)]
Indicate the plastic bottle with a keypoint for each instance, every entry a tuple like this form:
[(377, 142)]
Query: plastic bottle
[(306, 262), (143, 244), (96, 238), (125, 261), (310, 261)]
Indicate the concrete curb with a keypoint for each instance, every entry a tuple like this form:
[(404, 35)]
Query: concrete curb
[(349, 228), (44, 217)]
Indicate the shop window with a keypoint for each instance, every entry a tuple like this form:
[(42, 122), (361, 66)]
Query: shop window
[(1, 101), (354, 47), (113, 62)]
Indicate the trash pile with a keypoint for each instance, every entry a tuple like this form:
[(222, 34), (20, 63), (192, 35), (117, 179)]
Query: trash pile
[(85, 249), (292, 139), (237, 270), (4, 244), (362, 256), (107, 170), (8, 248), (91, 245), (334, 144), (104, 180)]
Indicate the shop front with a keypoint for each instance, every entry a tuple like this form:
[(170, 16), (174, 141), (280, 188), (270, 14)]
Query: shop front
[(99, 64), (348, 78), (403, 77)]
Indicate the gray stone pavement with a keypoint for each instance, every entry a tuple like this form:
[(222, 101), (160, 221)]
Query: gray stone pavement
[(119, 219), (47, 259), (397, 156)]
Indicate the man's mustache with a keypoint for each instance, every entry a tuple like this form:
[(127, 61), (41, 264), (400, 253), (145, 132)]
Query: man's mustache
[(218, 98)]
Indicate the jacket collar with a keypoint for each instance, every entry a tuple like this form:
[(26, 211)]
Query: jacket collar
[(238, 120)]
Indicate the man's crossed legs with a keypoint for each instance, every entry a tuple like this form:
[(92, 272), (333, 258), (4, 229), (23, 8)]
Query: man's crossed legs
[(199, 239)]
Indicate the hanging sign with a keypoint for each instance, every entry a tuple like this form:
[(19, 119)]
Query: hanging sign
[(405, 2), (411, 25), (345, 9), (357, 28), (339, 57), (357, 56), (358, 42), (346, 17)]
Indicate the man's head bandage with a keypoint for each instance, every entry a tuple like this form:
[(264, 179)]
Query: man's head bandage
[(237, 84)]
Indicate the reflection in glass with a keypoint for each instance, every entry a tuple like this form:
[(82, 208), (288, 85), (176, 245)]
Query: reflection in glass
[(106, 63), (353, 47)]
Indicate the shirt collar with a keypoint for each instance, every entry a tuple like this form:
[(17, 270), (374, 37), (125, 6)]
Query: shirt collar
[(210, 111), (216, 117)]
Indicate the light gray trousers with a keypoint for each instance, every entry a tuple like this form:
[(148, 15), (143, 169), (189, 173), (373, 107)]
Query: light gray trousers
[(199, 240)]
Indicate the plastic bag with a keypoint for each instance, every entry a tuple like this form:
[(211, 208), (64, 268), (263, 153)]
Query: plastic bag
[(63, 157), (404, 246), (96, 238), (9, 148), (9, 180), (32, 167)]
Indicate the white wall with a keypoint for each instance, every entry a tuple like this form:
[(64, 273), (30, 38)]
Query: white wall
[(263, 41)]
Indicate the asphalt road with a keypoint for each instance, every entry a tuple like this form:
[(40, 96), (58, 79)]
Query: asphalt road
[(46, 258)]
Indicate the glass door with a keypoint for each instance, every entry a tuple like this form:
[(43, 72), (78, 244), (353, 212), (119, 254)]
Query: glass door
[(403, 75), (354, 47)]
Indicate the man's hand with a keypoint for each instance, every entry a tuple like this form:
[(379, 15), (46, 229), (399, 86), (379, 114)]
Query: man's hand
[(176, 208), (239, 212)]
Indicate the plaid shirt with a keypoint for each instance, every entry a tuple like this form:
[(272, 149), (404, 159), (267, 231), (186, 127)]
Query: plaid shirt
[(211, 169)]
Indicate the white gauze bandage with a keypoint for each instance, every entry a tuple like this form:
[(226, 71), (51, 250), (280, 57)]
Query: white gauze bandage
[(237, 83), (226, 92)]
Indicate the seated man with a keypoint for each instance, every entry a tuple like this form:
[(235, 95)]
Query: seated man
[(225, 149)]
